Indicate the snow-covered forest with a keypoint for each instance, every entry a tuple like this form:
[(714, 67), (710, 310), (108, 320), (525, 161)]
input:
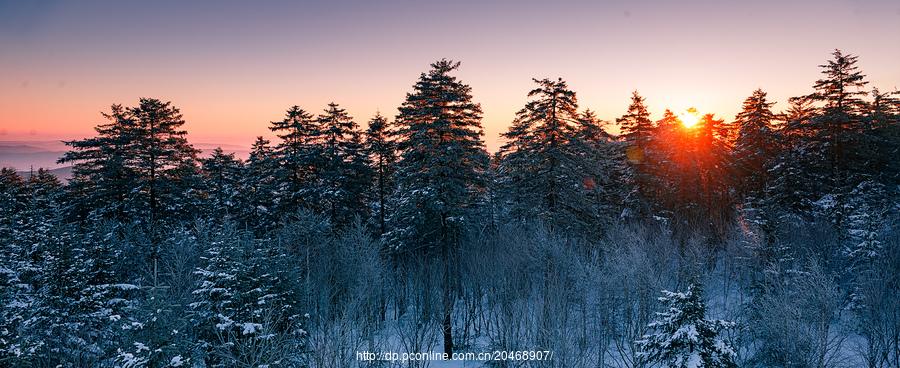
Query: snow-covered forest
[(766, 240)]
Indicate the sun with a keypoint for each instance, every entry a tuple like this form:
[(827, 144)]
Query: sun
[(689, 117)]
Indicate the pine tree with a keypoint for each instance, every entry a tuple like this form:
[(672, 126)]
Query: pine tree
[(299, 156), (244, 298), (754, 151), (754, 147), (791, 175), (684, 171), (843, 124), (441, 172), (222, 175), (102, 176), (867, 208), (883, 118), (136, 167), (159, 157), (259, 187), (13, 196), (218, 299), (15, 290), (155, 326), (683, 337), (836, 133), (187, 180), (381, 150), (832, 164), (713, 159), (55, 323), (541, 168), (55, 329), (603, 162), (660, 164), (66, 293), (637, 131), (590, 129), (344, 175), (636, 127), (870, 205), (105, 298), (38, 219)]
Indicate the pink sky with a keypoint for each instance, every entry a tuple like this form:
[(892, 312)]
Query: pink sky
[(234, 66)]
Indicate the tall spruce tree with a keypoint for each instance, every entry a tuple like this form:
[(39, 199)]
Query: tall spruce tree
[(660, 165), (259, 187), (13, 203), (299, 157), (541, 167), (382, 152), (637, 131), (754, 147), (838, 131), (831, 147), (635, 126), (790, 189), (715, 139), (842, 122), (754, 150), (135, 167), (161, 158), (344, 174), (441, 172), (603, 163), (41, 214), (102, 178), (222, 174), (55, 325)]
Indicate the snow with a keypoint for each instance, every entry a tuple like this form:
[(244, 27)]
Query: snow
[(688, 332), (141, 347), (250, 328), (226, 323), (124, 286), (827, 202), (693, 361)]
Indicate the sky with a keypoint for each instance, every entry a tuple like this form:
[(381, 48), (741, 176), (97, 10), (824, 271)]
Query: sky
[(234, 66)]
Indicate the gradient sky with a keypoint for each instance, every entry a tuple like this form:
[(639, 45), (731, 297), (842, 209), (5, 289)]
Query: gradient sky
[(234, 66)]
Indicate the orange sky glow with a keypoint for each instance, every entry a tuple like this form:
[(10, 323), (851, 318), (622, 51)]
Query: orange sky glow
[(232, 67)]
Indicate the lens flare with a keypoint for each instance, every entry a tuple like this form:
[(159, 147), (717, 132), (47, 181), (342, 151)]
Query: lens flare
[(689, 117)]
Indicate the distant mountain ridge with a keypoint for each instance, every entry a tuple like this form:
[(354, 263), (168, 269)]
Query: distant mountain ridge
[(27, 156)]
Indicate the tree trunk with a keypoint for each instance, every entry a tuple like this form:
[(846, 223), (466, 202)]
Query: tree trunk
[(447, 328), (447, 325)]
